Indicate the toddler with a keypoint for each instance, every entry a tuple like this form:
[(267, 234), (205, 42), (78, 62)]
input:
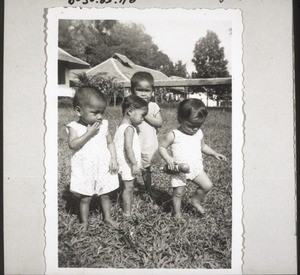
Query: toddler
[(142, 84), (186, 144), (94, 164), (128, 149)]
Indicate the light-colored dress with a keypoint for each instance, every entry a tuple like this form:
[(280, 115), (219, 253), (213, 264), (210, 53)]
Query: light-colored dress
[(124, 163), (148, 137), (90, 164), (187, 149)]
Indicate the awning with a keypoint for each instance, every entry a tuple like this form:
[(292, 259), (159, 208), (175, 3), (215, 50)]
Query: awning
[(71, 61)]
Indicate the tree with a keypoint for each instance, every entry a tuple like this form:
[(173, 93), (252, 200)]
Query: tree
[(77, 37), (209, 61), (132, 41), (94, 41), (180, 69)]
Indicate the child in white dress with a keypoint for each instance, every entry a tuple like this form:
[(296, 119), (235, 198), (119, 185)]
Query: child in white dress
[(187, 145), (142, 84), (94, 164), (128, 149)]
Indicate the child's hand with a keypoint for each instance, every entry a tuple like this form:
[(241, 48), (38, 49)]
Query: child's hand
[(93, 130), (113, 166), (135, 170), (171, 163), (220, 157)]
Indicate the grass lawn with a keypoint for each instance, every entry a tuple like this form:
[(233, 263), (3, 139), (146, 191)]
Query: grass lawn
[(155, 241)]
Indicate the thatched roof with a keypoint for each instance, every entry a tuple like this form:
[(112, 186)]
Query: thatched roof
[(71, 61), (122, 68)]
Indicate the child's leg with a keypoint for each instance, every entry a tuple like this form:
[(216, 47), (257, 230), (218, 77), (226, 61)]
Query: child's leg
[(106, 207), (147, 177), (178, 193), (127, 197), (205, 185), (146, 174), (84, 211)]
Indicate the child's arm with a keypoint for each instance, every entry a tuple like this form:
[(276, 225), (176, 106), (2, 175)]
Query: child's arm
[(113, 165), (210, 152), (154, 121), (166, 142), (76, 142), (128, 134)]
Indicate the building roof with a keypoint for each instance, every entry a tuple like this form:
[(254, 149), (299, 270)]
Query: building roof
[(122, 68), (72, 62), (194, 82), (176, 77), (178, 89)]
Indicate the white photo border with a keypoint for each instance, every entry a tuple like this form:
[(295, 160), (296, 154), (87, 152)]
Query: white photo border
[(51, 176)]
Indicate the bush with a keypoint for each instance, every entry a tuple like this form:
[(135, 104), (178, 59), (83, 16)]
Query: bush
[(109, 86)]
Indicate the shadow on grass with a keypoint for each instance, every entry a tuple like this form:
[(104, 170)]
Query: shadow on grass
[(72, 201), (162, 199), (189, 209)]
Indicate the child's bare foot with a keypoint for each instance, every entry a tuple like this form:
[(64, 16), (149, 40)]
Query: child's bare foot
[(112, 223), (85, 226), (197, 206), (129, 219), (127, 216), (178, 217)]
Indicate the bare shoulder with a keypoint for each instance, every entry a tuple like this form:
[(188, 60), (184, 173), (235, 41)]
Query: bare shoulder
[(129, 130)]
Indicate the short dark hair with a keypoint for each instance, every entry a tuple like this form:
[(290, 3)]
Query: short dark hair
[(83, 96), (140, 76), (134, 102), (189, 106)]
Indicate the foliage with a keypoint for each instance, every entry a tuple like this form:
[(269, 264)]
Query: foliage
[(109, 86), (180, 70), (209, 61), (94, 41), (155, 240)]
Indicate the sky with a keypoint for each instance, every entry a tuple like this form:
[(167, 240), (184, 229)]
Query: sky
[(177, 38)]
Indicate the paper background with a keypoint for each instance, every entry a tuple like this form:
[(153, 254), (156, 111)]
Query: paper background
[(269, 173)]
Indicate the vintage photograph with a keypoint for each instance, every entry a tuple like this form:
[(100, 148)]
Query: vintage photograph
[(144, 138)]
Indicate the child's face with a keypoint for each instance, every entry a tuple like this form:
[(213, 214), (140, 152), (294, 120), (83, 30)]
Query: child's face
[(143, 90), (92, 112), (192, 125), (137, 116)]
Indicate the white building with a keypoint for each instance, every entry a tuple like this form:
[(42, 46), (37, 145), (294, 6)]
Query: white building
[(67, 62), (203, 96)]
